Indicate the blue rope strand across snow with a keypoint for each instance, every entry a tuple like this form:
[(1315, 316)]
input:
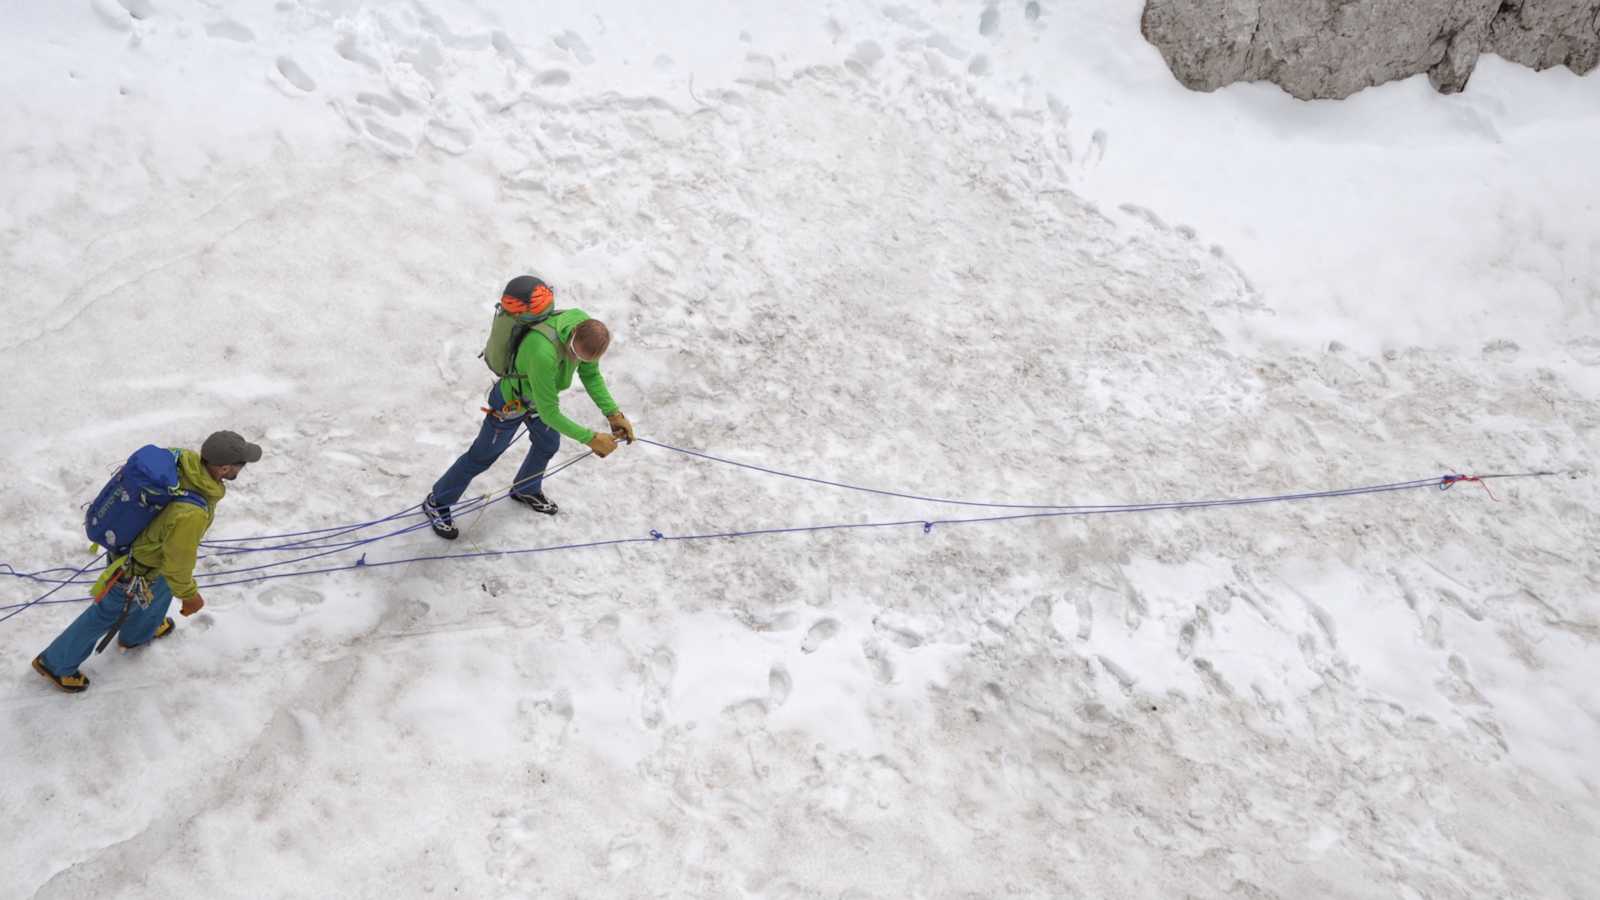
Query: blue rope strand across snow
[(18, 608), (474, 505), (316, 539)]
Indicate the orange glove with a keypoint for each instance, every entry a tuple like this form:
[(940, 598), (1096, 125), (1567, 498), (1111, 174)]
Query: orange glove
[(191, 605), (602, 444), (621, 428)]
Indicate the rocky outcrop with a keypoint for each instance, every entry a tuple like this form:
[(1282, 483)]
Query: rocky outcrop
[(1547, 33), (1333, 48)]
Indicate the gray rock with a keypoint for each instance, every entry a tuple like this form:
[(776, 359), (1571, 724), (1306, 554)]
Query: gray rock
[(1548, 33), (1333, 48)]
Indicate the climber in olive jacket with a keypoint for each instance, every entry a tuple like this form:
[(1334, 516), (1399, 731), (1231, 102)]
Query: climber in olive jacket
[(135, 591)]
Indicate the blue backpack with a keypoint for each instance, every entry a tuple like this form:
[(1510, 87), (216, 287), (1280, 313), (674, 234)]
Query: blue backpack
[(138, 490)]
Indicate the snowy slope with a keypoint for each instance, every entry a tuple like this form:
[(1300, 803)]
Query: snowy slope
[(979, 252)]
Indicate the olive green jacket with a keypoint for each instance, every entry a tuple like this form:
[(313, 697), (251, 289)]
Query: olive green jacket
[(169, 546)]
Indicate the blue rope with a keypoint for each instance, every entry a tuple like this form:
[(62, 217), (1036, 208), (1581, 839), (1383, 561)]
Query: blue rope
[(855, 487), (18, 608), (1106, 507), (1035, 511), (474, 505), (341, 529), (926, 525), (415, 510)]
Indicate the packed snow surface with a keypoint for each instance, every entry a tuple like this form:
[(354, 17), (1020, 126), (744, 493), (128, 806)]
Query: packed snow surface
[(985, 252)]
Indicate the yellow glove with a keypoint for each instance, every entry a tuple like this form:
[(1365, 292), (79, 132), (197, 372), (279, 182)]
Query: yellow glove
[(621, 428), (602, 444)]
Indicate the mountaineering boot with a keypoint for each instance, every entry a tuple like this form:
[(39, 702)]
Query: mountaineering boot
[(537, 502), (439, 518), (162, 630), (72, 684)]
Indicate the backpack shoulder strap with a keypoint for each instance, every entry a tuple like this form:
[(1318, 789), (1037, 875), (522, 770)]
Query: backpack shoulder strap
[(549, 331)]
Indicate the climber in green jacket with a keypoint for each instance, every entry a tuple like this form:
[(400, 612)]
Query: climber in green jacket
[(567, 343)]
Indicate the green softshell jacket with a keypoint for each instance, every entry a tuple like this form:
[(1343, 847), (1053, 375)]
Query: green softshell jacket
[(543, 372), (169, 545)]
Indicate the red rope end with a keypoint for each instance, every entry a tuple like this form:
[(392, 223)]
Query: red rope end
[(1450, 480)]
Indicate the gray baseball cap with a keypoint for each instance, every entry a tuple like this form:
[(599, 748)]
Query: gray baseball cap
[(227, 448)]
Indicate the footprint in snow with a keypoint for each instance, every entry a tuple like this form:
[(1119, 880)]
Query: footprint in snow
[(347, 48), (230, 30), (759, 71), (449, 138), (387, 138), (623, 854), (878, 660), (113, 14), (503, 45), (571, 42), (779, 686), (900, 634), (659, 670), (284, 604), (1123, 678), (1213, 678), (602, 629), (382, 102), (906, 17), (946, 46), (861, 60), (292, 73), (1097, 148), (1586, 350), (546, 721), (746, 715), (515, 847), (989, 22), (819, 634), (1085, 617)]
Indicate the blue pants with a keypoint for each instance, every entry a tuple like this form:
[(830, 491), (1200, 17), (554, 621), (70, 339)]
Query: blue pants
[(494, 437), (74, 645)]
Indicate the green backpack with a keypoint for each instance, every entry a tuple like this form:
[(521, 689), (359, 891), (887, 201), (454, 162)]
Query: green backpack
[(506, 334)]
